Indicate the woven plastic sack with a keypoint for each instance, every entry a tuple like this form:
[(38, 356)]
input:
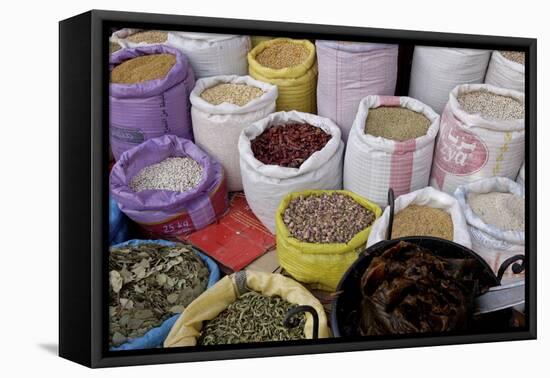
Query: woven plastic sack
[(217, 127), (436, 71), (317, 264), (216, 299), (257, 39), (154, 338), (521, 176), (266, 185), (118, 224), (209, 54), (425, 197), (349, 71), (493, 244), (296, 85), (470, 147), (141, 111), (505, 73), (163, 213), (374, 164)]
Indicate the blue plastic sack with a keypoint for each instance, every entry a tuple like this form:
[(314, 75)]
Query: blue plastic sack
[(154, 338), (118, 224)]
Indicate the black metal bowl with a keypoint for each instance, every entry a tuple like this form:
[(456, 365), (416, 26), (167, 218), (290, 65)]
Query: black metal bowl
[(346, 305)]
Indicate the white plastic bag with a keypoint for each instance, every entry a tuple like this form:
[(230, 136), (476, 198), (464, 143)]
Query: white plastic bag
[(521, 176), (505, 73), (217, 127), (493, 244), (436, 71), (425, 197), (266, 185), (470, 147), (349, 71), (374, 164), (209, 54)]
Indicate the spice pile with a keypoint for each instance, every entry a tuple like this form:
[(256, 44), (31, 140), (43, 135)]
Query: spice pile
[(491, 105), (253, 317), (238, 94), (282, 55), (514, 56), (149, 36), (178, 174), (409, 289), (416, 220), (148, 284), (289, 145), (503, 210), (396, 123), (143, 68), (326, 218)]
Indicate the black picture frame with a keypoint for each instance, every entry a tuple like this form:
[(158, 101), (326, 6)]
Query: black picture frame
[(83, 196)]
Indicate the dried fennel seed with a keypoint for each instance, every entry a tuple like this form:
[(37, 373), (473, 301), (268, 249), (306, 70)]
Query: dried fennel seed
[(148, 284), (417, 220), (149, 36), (396, 123), (253, 317), (491, 105), (326, 218), (282, 55), (143, 68), (238, 94), (514, 56)]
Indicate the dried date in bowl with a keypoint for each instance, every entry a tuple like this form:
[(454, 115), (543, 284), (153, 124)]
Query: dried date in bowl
[(289, 144)]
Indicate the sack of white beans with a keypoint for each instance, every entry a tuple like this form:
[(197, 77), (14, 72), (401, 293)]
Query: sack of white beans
[(436, 71), (429, 197), (349, 71), (505, 73), (265, 185), (521, 175), (209, 54), (479, 138), (374, 164), (217, 127), (492, 242)]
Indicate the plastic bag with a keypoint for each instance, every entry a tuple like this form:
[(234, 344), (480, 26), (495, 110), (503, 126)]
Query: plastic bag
[(118, 224), (318, 264), (217, 127), (521, 176), (213, 301), (505, 73)]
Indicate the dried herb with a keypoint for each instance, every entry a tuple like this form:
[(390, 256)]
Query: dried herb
[(148, 284), (253, 317)]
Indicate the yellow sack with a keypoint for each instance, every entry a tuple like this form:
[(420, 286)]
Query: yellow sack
[(321, 265), (297, 85), (213, 301), (257, 39)]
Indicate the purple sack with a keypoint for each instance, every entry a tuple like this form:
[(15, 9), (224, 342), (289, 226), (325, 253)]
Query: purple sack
[(146, 110), (164, 213)]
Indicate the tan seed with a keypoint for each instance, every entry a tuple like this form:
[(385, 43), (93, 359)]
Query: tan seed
[(416, 220), (143, 68), (514, 56), (238, 94), (150, 36), (282, 55), (396, 123)]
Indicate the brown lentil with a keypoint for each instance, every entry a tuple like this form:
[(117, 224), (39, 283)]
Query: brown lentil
[(326, 218), (417, 220), (396, 123), (143, 68), (514, 56), (289, 145), (491, 105), (282, 55), (238, 94), (149, 36)]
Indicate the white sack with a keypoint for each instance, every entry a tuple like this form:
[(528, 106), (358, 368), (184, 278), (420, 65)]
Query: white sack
[(505, 73), (521, 175)]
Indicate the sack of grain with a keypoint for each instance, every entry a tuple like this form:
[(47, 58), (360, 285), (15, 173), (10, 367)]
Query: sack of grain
[(169, 213), (322, 265), (473, 145), (521, 175), (490, 241), (350, 71), (436, 71), (374, 164), (154, 338), (255, 40), (265, 185), (505, 73), (209, 54), (294, 72), (189, 326), (217, 127), (428, 197), (118, 224), (148, 109)]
